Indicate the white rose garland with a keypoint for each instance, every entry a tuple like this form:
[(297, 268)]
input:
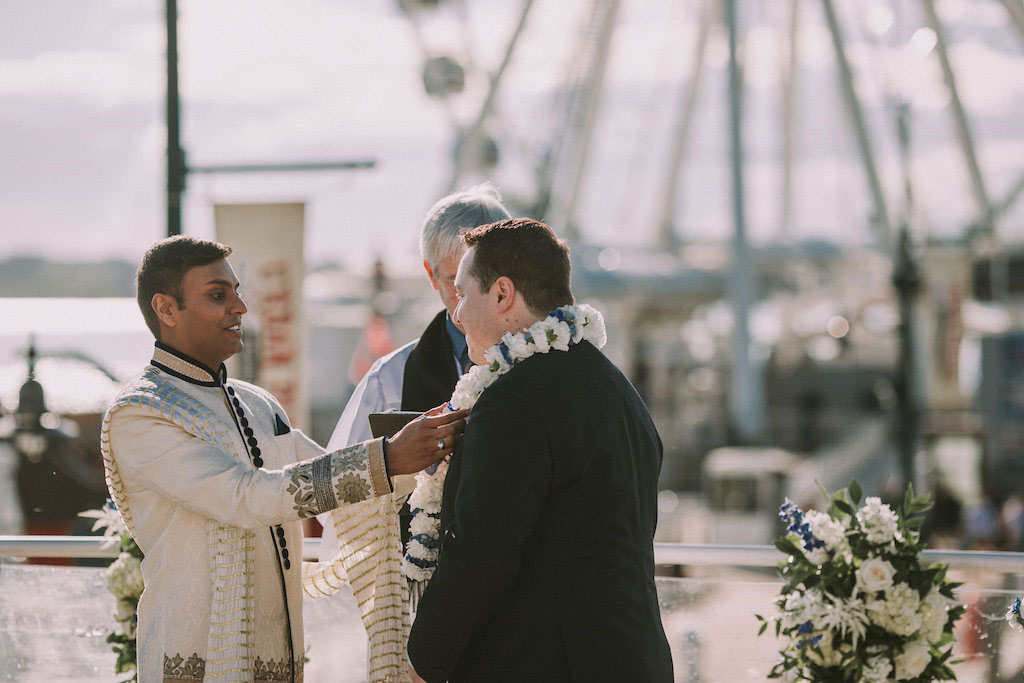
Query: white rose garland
[(561, 328)]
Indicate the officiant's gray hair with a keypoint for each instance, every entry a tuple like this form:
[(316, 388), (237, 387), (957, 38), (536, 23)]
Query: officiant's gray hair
[(439, 236)]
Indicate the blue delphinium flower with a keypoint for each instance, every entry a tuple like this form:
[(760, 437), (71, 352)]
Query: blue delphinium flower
[(793, 516), (1014, 616), (813, 642)]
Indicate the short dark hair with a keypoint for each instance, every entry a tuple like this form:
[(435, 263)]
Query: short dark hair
[(163, 268), (528, 253)]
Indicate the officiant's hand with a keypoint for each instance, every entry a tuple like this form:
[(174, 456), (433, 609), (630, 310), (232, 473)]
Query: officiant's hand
[(424, 441)]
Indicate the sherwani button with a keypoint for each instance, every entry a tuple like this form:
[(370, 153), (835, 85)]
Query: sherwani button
[(236, 402), (284, 553), (245, 422), (287, 564), (252, 441), (256, 452), (258, 462), (280, 531), (247, 431), (231, 391)]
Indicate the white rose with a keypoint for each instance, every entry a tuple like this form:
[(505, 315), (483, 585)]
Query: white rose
[(593, 325), (423, 524), (934, 616), (124, 577), (494, 355), (517, 346), (123, 610), (913, 660), (429, 489), (539, 334), (560, 336), (875, 575), (877, 669)]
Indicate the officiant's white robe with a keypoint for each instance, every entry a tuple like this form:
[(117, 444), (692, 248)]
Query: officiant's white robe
[(212, 482)]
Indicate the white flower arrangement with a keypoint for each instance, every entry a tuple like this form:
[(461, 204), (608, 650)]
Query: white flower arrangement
[(561, 328), (857, 605), (125, 583)]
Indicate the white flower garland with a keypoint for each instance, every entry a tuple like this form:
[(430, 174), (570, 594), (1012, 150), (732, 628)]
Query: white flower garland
[(561, 329)]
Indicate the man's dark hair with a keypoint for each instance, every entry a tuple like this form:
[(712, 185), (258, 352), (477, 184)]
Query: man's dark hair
[(528, 253), (163, 268)]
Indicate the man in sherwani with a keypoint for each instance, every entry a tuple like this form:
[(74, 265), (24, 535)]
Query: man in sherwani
[(212, 481), (546, 563)]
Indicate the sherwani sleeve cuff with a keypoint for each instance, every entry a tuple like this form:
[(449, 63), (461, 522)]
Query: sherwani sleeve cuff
[(338, 478), (379, 480)]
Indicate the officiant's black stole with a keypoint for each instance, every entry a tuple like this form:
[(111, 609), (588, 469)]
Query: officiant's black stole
[(430, 373)]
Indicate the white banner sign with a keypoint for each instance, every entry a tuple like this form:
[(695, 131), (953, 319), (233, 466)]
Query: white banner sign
[(268, 260)]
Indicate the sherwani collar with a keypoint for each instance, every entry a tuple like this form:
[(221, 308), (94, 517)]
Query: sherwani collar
[(187, 368)]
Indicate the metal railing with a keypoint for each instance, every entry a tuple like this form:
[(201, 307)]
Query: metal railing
[(664, 553)]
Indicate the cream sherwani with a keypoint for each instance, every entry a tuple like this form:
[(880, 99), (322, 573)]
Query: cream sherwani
[(212, 482)]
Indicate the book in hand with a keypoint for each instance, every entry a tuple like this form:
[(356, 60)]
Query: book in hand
[(389, 423)]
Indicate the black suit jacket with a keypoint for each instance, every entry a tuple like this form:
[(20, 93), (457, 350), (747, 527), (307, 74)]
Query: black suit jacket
[(546, 567)]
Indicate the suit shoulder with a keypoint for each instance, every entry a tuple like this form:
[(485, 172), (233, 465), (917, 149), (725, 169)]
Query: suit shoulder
[(551, 368)]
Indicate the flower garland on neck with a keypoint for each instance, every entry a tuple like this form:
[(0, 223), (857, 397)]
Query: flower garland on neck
[(562, 328)]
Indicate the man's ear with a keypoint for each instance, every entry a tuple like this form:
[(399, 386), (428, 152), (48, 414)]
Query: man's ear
[(166, 308), (430, 274), (506, 293)]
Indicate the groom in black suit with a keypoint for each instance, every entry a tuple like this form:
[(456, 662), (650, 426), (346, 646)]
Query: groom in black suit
[(546, 566)]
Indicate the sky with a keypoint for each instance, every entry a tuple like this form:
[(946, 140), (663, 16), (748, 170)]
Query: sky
[(82, 132)]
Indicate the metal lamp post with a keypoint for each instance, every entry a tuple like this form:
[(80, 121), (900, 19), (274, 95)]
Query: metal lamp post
[(30, 437)]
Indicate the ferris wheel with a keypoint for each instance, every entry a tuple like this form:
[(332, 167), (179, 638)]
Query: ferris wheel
[(869, 44)]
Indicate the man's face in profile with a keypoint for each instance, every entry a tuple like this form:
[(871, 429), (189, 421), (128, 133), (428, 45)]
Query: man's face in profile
[(475, 310), (442, 277), (208, 326)]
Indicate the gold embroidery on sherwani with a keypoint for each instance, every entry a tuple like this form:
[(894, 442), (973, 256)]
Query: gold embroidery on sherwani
[(352, 488), (275, 670), (348, 459), (302, 488), (319, 485), (325, 499), (182, 366), (193, 668)]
